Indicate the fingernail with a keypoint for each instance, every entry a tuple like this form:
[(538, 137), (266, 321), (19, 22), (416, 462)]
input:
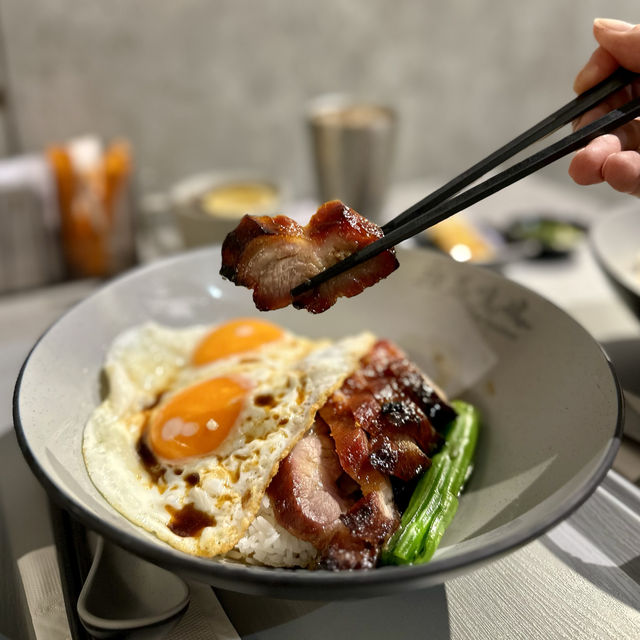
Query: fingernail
[(612, 25)]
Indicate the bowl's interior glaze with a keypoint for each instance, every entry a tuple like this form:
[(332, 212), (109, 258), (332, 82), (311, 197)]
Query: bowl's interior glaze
[(549, 400)]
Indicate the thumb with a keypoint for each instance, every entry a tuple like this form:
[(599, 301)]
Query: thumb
[(621, 40)]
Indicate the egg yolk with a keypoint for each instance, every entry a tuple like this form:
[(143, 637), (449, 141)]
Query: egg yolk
[(197, 419), (237, 336)]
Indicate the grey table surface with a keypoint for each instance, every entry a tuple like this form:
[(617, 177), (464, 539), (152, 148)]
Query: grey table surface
[(581, 580)]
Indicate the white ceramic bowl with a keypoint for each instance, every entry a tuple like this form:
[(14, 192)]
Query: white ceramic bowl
[(199, 227), (615, 240), (550, 403)]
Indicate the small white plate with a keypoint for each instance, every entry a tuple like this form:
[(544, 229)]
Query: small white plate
[(615, 241)]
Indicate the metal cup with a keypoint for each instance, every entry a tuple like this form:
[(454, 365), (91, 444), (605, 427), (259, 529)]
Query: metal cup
[(353, 144)]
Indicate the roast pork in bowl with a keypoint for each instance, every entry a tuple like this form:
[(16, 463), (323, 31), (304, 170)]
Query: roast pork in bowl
[(549, 405)]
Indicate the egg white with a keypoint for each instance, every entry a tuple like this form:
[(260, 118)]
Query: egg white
[(298, 373)]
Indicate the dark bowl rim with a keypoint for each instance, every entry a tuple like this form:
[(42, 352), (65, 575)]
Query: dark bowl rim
[(250, 579)]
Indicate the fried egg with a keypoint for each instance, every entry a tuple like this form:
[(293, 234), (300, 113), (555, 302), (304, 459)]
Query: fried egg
[(196, 420)]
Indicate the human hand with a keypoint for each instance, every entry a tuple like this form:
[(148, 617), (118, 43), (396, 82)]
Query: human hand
[(613, 158)]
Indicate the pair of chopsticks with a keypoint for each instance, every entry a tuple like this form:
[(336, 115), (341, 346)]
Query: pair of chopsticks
[(443, 202)]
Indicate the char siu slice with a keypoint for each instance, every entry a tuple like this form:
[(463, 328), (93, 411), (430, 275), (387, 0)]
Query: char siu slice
[(307, 494), (271, 256)]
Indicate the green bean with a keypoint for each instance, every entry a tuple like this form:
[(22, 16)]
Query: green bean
[(434, 501)]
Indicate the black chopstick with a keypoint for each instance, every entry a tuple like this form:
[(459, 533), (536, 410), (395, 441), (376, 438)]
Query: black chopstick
[(570, 111), (426, 216)]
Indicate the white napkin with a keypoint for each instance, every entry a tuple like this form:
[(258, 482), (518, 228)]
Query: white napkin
[(42, 587), (205, 618)]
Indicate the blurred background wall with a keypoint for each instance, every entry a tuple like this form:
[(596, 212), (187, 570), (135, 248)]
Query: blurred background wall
[(222, 84)]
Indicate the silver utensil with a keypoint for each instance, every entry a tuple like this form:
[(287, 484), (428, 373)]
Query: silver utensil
[(352, 144)]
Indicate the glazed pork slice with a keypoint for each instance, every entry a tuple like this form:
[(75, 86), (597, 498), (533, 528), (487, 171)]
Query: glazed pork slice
[(307, 495), (381, 423), (405, 393), (271, 256), (316, 501), (382, 418), (366, 527)]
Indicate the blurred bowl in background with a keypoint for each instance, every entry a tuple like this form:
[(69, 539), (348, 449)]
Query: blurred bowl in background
[(554, 236), (207, 206), (615, 242)]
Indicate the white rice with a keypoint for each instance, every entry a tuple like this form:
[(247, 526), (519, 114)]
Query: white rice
[(267, 543)]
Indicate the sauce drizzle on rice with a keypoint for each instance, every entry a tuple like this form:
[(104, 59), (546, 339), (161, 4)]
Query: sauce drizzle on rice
[(189, 521)]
